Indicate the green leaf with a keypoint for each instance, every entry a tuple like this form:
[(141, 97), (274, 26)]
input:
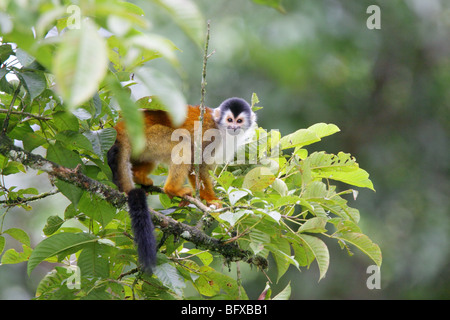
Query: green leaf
[(302, 253), (285, 294), (345, 226), (11, 256), (96, 208), (12, 167), (19, 235), (30, 139), (157, 46), (363, 243), (235, 195), (33, 81), (24, 58), (65, 121), (359, 178), (132, 116), (280, 186), (5, 52), (274, 215), (73, 140), (233, 217), (80, 64), (170, 277), (316, 189), (120, 12), (61, 243), (281, 250), (258, 241), (2, 244), (342, 167), (204, 256), (187, 16), (71, 192), (304, 137), (225, 179), (165, 201), (62, 156), (23, 192), (298, 139), (276, 4), (254, 100), (324, 129), (53, 224), (51, 286), (258, 179), (167, 92), (101, 140), (93, 260), (320, 251), (206, 286), (314, 225), (213, 280)]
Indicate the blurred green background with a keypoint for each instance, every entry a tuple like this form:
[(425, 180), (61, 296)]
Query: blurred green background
[(388, 91)]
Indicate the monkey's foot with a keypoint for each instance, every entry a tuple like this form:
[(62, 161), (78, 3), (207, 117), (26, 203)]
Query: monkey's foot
[(215, 203), (177, 192)]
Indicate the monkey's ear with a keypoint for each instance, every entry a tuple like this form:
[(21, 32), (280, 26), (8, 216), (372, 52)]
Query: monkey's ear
[(216, 114)]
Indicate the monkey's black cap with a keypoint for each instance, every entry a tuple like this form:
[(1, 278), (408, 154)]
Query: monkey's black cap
[(235, 105)]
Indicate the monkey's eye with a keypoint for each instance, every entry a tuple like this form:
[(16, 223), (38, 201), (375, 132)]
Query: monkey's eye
[(239, 121), (230, 120)]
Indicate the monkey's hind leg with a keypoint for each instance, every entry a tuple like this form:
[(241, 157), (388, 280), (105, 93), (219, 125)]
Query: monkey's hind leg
[(141, 170), (176, 179), (206, 187)]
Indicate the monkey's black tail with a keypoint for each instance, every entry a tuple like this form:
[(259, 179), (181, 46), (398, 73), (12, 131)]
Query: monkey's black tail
[(143, 228), (141, 222)]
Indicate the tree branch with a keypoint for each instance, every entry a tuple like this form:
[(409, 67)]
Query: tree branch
[(18, 201), (230, 251)]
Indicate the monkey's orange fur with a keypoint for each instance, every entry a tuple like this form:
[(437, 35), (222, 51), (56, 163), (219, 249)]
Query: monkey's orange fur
[(158, 148)]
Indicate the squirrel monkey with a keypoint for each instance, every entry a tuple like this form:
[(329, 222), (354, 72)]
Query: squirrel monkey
[(224, 128)]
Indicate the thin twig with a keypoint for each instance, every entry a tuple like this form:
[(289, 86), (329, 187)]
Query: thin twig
[(190, 199), (199, 139), (26, 114), (132, 271), (206, 56), (12, 203)]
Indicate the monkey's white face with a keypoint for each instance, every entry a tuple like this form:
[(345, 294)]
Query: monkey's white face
[(235, 120), (235, 116), (235, 124)]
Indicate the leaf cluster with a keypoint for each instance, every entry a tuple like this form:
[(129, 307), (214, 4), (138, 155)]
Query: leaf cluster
[(288, 207)]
